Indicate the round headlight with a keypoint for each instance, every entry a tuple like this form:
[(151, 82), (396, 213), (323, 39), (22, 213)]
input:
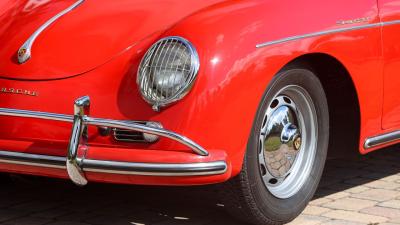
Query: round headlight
[(167, 71)]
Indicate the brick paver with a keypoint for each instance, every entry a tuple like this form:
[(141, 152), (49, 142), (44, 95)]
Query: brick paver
[(391, 204), (351, 204), (382, 211), (355, 216), (315, 210), (358, 191)]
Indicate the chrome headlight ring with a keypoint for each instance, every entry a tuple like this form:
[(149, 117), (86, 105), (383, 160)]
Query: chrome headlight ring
[(167, 71)]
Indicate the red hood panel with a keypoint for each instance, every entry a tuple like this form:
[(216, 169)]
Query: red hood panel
[(85, 37)]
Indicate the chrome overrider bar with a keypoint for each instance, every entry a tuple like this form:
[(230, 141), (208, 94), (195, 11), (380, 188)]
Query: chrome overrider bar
[(76, 163)]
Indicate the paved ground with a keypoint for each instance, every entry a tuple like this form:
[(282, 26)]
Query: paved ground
[(359, 191)]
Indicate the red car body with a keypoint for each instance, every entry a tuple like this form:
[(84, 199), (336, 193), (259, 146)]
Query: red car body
[(96, 48)]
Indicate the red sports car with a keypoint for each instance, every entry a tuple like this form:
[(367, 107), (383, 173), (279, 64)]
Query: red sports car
[(248, 93)]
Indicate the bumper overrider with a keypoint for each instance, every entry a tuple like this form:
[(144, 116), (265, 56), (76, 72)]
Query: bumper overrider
[(76, 164)]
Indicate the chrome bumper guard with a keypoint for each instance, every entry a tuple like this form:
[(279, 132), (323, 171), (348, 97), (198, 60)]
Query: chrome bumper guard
[(76, 163)]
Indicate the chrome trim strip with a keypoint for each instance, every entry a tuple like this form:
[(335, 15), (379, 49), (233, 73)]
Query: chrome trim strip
[(151, 169), (382, 139), (146, 129), (114, 167), (388, 23), (129, 125), (32, 159), (24, 52), (321, 33), (36, 115)]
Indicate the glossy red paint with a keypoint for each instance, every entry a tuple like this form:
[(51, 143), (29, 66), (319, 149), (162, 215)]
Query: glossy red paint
[(390, 11), (102, 45), (98, 30)]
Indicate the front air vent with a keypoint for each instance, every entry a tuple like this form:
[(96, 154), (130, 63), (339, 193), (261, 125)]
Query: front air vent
[(136, 136), (128, 135)]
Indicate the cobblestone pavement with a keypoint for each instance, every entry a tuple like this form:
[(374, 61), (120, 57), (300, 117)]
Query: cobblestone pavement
[(358, 191)]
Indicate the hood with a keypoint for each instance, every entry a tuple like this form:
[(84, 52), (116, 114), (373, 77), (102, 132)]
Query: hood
[(85, 37)]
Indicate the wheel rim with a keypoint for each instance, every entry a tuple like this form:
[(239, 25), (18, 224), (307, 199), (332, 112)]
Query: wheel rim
[(288, 141)]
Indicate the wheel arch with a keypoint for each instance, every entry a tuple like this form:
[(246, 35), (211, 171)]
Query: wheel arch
[(343, 103)]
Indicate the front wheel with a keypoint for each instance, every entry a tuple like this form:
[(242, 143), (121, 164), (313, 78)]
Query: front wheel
[(286, 151)]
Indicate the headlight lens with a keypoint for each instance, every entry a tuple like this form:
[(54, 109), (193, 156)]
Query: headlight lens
[(167, 71)]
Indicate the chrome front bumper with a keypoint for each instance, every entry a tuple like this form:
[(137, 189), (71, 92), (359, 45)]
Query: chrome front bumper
[(76, 163)]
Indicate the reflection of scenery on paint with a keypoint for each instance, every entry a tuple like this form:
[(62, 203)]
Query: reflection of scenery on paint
[(280, 157), (32, 4)]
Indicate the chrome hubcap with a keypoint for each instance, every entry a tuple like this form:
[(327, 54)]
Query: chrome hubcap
[(287, 141), (279, 148)]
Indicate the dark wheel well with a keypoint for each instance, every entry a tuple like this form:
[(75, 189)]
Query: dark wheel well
[(344, 110)]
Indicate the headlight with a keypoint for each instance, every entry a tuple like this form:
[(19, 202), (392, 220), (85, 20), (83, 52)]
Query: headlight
[(167, 71)]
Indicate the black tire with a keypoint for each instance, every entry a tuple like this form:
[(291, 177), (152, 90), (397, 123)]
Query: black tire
[(246, 196)]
